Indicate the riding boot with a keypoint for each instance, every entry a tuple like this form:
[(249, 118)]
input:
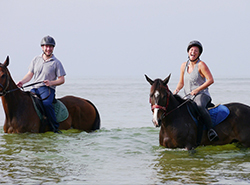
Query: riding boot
[(212, 135)]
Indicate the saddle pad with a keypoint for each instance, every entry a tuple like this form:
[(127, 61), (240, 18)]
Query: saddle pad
[(61, 111), (218, 113)]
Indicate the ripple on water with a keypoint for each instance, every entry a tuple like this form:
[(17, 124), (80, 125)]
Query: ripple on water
[(112, 156)]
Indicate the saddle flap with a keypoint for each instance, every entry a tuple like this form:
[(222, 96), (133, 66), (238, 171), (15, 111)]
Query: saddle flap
[(61, 110), (218, 113)]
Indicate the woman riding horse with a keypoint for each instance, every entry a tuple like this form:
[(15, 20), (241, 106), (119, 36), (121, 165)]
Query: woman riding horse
[(196, 78), (179, 128)]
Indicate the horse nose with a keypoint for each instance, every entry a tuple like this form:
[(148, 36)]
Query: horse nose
[(156, 123), (159, 122)]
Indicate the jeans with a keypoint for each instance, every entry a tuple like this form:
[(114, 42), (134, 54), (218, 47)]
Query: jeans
[(47, 95)]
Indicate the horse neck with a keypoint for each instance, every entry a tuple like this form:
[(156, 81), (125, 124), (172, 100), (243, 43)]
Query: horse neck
[(173, 103), (14, 99), (175, 110)]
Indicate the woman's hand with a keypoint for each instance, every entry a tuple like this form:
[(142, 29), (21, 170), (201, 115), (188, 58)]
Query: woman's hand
[(194, 92), (176, 91)]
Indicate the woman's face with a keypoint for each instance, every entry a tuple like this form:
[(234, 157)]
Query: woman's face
[(193, 53)]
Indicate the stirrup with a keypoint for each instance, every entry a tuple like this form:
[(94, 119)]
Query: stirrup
[(212, 135), (57, 131)]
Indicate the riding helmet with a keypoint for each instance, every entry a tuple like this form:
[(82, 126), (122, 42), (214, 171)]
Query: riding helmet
[(195, 43), (48, 41)]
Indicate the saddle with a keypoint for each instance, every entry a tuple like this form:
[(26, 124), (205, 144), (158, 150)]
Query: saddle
[(61, 111), (217, 113)]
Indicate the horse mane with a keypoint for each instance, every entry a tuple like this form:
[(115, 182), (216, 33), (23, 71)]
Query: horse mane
[(179, 99)]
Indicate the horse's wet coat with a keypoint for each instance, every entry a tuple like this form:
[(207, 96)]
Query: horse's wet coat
[(21, 116), (179, 130)]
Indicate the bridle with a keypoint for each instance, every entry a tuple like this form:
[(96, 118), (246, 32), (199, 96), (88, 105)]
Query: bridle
[(4, 91), (164, 108)]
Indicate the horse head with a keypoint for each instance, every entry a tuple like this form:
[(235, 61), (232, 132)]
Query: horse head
[(159, 98), (4, 76)]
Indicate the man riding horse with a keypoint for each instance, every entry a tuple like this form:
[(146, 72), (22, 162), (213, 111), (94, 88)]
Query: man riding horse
[(49, 70)]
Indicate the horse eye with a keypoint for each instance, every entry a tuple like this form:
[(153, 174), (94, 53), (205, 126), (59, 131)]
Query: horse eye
[(3, 76)]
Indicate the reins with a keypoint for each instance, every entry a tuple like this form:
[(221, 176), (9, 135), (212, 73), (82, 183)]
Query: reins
[(4, 92), (32, 84), (35, 84), (167, 113)]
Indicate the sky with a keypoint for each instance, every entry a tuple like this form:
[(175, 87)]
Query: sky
[(127, 38)]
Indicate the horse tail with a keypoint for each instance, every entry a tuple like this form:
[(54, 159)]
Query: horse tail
[(97, 121)]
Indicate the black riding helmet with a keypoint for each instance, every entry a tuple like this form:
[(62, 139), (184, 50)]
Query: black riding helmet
[(48, 41), (195, 43)]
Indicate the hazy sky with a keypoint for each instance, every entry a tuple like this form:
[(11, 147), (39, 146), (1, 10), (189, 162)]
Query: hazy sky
[(127, 37)]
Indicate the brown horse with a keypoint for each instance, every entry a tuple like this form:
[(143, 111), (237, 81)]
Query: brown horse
[(178, 128), (21, 115)]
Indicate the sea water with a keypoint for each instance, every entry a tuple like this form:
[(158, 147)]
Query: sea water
[(126, 149)]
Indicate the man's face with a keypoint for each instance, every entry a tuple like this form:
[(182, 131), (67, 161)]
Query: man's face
[(48, 49)]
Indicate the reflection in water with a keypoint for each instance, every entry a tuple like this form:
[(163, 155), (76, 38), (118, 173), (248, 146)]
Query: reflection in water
[(210, 164)]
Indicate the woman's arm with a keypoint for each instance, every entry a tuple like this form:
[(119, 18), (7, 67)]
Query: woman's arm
[(181, 81), (204, 72)]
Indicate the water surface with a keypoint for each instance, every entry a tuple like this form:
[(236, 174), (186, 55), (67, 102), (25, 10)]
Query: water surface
[(126, 149)]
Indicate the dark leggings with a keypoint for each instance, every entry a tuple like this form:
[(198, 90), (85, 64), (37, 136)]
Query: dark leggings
[(202, 100)]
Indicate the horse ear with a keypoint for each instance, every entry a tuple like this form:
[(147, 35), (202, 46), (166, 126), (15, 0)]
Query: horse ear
[(167, 79), (6, 63), (149, 80)]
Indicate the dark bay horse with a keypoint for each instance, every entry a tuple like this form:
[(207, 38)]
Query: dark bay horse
[(21, 115), (179, 130)]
